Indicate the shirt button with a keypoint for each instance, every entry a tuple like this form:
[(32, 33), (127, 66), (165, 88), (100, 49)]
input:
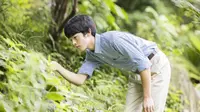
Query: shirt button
[(112, 64), (122, 68), (103, 57)]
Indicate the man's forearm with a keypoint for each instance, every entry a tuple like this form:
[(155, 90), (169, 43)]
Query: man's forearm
[(146, 82), (77, 79)]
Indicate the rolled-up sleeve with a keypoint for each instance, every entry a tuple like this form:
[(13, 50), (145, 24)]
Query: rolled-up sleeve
[(88, 66), (133, 51)]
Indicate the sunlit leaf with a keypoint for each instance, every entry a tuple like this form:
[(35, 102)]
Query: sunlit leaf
[(196, 42), (2, 109), (55, 96)]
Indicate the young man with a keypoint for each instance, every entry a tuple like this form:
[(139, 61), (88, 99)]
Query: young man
[(147, 90)]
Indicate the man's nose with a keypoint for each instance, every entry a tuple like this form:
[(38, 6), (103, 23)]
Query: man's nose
[(74, 42)]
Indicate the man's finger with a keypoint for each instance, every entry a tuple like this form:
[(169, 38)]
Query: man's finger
[(145, 109), (149, 109), (152, 109)]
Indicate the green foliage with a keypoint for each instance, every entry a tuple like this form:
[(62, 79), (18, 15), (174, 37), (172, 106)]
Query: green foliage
[(195, 42), (23, 82), (192, 49), (104, 12), (22, 19), (174, 100), (189, 6), (31, 26), (27, 84)]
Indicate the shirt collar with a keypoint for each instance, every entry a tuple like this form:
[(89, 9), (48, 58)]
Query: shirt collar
[(97, 44)]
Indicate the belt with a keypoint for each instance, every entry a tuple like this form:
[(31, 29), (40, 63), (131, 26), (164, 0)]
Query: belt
[(151, 56)]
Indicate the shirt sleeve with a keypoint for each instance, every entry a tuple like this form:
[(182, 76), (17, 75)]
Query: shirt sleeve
[(133, 52), (88, 66)]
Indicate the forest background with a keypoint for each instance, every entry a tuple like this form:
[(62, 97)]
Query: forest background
[(31, 36)]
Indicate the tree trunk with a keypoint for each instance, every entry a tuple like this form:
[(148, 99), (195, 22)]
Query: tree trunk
[(58, 12)]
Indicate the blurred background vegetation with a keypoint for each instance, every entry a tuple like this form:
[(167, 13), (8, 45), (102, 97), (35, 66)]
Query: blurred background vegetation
[(31, 36)]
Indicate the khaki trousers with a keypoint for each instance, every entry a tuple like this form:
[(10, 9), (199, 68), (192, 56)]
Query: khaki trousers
[(161, 73)]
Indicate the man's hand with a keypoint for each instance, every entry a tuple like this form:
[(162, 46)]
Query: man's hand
[(148, 105), (55, 65), (146, 84), (77, 79)]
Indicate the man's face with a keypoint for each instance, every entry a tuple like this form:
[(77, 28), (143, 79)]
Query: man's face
[(80, 41)]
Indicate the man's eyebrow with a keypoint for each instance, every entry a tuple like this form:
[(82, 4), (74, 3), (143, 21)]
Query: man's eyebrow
[(73, 36)]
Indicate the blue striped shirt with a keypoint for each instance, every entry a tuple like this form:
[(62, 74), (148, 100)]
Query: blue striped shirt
[(118, 49)]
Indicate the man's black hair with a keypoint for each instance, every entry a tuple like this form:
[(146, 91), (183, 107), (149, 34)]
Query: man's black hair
[(79, 24)]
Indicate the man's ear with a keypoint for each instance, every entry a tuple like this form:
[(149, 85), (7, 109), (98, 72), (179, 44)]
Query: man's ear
[(89, 31)]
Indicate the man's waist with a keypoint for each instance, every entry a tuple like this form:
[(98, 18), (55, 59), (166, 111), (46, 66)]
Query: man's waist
[(152, 54)]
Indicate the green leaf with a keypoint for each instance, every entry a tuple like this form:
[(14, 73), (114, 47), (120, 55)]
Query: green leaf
[(151, 10), (111, 20), (55, 96), (195, 76), (120, 12), (53, 80), (196, 42), (2, 109)]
